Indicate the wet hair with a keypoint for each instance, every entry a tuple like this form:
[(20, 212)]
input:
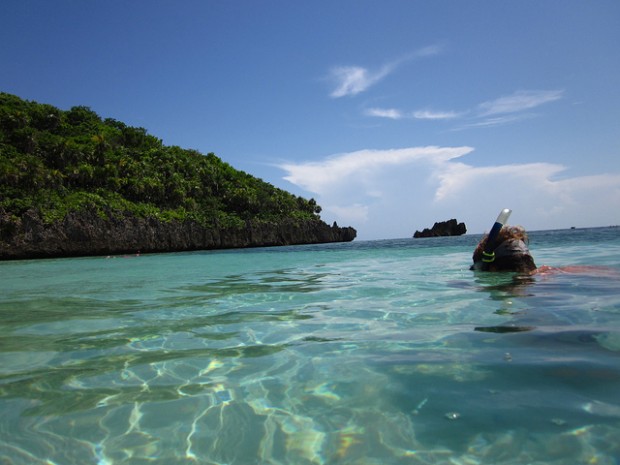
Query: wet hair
[(513, 254)]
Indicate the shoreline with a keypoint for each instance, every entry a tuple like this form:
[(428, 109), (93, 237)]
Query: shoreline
[(86, 234)]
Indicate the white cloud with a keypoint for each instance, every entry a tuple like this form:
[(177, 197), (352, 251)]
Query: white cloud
[(435, 115), (394, 113), (519, 101), (493, 121), (351, 80), (501, 111), (429, 51), (391, 193), (456, 177), (338, 170), (390, 113)]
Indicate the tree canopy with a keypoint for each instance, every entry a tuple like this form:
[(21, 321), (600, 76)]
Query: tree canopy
[(56, 161)]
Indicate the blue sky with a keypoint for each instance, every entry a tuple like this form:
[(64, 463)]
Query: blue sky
[(392, 114)]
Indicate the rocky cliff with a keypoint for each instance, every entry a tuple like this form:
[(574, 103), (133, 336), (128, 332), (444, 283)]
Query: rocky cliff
[(443, 228), (90, 233)]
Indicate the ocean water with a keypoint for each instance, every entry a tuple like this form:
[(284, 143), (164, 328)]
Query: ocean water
[(382, 352)]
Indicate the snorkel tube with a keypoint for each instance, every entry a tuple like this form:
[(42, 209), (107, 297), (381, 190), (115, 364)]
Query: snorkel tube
[(488, 254)]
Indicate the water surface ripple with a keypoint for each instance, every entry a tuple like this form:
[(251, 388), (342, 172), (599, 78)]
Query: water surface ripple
[(383, 352)]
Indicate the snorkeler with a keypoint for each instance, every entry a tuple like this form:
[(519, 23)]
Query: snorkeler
[(504, 249)]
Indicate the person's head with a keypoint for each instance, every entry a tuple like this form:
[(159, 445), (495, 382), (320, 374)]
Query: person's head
[(510, 252)]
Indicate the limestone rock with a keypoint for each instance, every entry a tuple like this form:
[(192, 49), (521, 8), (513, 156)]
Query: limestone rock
[(443, 228), (90, 233)]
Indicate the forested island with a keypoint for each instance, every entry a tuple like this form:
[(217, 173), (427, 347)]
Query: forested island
[(74, 184)]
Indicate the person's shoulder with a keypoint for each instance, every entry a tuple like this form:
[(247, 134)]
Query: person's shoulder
[(545, 269), (578, 269)]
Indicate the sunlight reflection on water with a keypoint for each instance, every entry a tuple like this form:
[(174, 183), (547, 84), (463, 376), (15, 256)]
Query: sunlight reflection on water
[(373, 353)]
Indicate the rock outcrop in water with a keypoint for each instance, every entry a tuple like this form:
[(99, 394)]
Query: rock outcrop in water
[(88, 233), (443, 228)]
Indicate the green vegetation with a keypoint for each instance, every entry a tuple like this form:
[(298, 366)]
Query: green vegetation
[(56, 161)]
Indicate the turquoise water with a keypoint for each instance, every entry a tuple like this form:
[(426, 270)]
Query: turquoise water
[(383, 352)]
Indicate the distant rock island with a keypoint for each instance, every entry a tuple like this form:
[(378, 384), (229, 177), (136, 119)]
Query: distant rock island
[(443, 228), (74, 184)]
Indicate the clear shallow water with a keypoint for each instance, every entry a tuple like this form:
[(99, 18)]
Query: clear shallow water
[(384, 352)]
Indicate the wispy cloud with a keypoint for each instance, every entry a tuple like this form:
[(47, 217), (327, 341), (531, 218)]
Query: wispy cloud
[(394, 113), (352, 80), (503, 110), (390, 113), (494, 121), (435, 115), (429, 51), (381, 192), (519, 101)]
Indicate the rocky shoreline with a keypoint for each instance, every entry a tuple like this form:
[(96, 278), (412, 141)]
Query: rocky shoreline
[(88, 233)]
